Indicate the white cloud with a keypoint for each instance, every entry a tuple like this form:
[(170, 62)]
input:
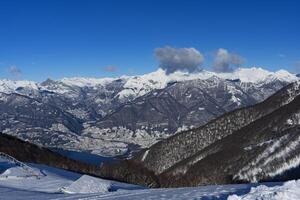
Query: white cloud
[(225, 61), (179, 59), (281, 55), (297, 65), (110, 68), (16, 72)]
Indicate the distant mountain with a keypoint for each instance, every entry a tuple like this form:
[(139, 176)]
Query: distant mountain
[(113, 116), (255, 143)]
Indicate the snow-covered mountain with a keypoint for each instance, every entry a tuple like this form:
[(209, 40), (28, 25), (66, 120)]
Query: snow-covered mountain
[(256, 143), (110, 116), (140, 85)]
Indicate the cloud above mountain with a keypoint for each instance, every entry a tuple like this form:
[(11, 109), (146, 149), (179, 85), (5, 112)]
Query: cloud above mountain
[(225, 61), (179, 59), (14, 71), (110, 68), (297, 66)]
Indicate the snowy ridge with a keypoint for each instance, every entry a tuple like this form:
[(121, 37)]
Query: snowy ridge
[(140, 85), (86, 82), (9, 86), (257, 75)]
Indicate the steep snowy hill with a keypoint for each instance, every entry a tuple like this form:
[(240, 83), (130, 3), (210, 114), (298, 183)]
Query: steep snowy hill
[(114, 116), (264, 149), (168, 152), (255, 143)]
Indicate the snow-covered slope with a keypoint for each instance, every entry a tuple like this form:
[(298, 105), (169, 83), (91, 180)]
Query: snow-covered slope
[(9, 86), (258, 75), (288, 191), (11, 168), (266, 191), (61, 184), (88, 184), (54, 180)]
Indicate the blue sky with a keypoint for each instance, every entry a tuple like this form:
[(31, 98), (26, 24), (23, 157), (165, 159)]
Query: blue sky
[(64, 38)]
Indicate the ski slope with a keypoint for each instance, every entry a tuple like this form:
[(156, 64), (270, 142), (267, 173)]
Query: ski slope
[(288, 191), (60, 184), (268, 191), (33, 178)]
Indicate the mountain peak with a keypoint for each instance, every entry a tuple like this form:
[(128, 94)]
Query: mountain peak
[(257, 75), (141, 84)]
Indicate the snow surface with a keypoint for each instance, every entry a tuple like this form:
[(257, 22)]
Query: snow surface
[(230, 192), (88, 184), (257, 75), (86, 82), (61, 184), (53, 181), (288, 191), (8, 86), (15, 172)]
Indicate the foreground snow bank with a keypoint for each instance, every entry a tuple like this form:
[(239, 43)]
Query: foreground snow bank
[(20, 172), (88, 184), (15, 172), (288, 191)]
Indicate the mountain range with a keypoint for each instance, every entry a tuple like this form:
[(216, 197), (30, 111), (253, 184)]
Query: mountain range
[(116, 116)]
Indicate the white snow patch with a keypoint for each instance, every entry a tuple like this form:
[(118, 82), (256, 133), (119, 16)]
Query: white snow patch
[(86, 82), (289, 122), (88, 184), (288, 191), (15, 172), (251, 171), (145, 155)]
